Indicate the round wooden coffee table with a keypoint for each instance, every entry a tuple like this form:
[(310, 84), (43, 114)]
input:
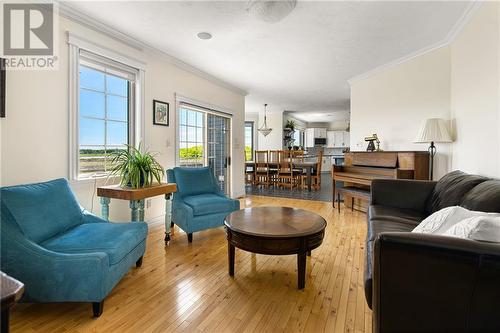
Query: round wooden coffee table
[(275, 231)]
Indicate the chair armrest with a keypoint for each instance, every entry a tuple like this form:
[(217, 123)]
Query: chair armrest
[(399, 193), (451, 283), (53, 276)]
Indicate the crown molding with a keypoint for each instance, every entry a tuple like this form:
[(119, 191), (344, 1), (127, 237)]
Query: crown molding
[(450, 37), (79, 17)]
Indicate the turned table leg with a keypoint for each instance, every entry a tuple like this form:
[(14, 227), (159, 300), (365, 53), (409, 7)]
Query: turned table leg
[(168, 216), (137, 210), (105, 207)]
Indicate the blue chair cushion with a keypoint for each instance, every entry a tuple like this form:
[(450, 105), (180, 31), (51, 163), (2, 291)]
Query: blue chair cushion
[(193, 181), (115, 239), (42, 210), (204, 204)]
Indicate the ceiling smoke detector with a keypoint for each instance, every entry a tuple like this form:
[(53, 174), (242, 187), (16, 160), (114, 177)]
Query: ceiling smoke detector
[(270, 11), (204, 35)]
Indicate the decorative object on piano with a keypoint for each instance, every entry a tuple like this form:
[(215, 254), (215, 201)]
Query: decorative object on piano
[(264, 129), (433, 130), (371, 144)]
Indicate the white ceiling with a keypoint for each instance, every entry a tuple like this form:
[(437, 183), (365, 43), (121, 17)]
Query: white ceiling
[(301, 63)]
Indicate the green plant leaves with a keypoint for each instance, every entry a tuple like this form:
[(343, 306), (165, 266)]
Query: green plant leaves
[(136, 167)]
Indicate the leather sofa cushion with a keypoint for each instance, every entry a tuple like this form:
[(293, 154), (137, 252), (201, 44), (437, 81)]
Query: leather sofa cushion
[(376, 226), (115, 239), (485, 197), (451, 189), (193, 181), (204, 204), (399, 215), (42, 210)]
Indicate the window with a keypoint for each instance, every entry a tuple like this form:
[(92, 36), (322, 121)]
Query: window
[(249, 148), (104, 117), (191, 137), (106, 101), (298, 137)]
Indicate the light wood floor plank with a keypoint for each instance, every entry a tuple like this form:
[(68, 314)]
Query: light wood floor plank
[(186, 288)]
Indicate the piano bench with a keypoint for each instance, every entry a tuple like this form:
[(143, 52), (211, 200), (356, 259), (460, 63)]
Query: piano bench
[(354, 192)]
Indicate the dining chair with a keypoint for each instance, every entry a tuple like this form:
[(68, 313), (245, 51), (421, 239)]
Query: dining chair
[(285, 169), (316, 175), (261, 169), (273, 166)]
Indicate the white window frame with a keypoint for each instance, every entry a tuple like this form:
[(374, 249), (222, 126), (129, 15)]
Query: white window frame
[(136, 120)]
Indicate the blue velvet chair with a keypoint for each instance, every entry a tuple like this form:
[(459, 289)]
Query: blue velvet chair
[(59, 251), (198, 204)]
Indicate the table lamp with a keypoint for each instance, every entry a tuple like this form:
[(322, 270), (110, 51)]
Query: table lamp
[(433, 130)]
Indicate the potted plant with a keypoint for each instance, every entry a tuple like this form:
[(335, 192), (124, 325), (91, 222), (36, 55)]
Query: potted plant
[(290, 125), (136, 167)]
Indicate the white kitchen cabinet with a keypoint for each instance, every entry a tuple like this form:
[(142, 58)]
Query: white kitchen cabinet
[(341, 139), (320, 133), (330, 139), (347, 139), (309, 137)]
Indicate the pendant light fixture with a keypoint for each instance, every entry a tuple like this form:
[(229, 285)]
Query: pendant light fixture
[(264, 129)]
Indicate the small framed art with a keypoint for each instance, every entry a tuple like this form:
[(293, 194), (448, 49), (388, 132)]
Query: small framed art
[(160, 113)]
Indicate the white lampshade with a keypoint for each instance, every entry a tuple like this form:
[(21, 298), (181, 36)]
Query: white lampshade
[(433, 130)]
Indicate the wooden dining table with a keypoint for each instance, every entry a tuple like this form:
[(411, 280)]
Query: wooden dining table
[(307, 166)]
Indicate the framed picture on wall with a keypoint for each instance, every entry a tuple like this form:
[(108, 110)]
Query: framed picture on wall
[(160, 113)]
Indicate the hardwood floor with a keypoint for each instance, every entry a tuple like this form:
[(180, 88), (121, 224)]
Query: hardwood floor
[(186, 287)]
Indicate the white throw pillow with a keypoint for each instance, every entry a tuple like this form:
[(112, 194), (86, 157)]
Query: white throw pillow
[(441, 221), (481, 228)]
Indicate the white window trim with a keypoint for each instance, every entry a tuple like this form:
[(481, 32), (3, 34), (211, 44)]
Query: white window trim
[(75, 44)]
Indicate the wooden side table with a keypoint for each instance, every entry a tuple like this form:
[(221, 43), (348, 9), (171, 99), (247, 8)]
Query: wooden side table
[(11, 292), (136, 197)]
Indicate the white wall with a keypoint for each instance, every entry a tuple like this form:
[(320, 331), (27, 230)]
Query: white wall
[(34, 135), (459, 82), (275, 139), (394, 102), (475, 91)]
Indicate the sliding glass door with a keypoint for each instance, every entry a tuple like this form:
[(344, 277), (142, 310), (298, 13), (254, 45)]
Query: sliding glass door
[(204, 140), (218, 149)]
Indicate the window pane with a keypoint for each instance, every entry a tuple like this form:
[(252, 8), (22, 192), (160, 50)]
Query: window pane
[(199, 119), (91, 103), (117, 108), (182, 133), (191, 134), (183, 116), (116, 85), (191, 118), (199, 135), (91, 131), (117, 133), (90, 78), (91, 160)]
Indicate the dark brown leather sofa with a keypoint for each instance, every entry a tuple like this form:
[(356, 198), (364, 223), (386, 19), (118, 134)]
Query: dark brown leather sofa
[(429, 283)]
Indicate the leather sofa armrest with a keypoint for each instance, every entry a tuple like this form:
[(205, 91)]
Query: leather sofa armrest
[(399, 193), (435, 283)]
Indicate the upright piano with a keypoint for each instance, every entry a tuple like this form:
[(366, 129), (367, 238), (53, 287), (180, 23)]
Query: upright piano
[(360, 168)]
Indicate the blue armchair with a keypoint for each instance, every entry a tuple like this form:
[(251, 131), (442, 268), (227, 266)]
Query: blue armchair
[(198, 204), (59, 251)]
